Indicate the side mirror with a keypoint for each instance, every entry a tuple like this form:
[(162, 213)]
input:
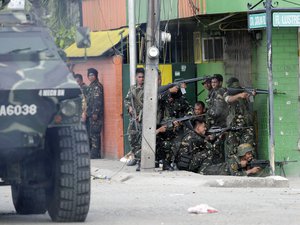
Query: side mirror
[(83, 37)]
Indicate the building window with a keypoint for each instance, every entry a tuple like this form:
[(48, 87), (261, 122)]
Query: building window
[(212, 49)]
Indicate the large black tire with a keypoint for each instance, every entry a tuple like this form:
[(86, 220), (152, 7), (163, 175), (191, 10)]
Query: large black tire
[(28, 200), (69, 196)]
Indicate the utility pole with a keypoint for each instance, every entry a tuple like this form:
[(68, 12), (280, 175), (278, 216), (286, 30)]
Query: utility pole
[(269, 25), (268, 5), (132, 40), (150, 87)]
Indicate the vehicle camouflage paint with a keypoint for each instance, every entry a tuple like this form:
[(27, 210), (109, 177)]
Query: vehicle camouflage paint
[(44, 151)]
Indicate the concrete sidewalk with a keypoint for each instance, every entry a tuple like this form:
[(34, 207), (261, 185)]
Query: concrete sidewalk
[(115, 170)]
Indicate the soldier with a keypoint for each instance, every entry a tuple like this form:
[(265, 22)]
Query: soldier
[(239, 116), (172, 105), (216, 106), (83, 88), (194, 149), (93, 116), (134, 105), (82, 85), (207, 87), (238, 165), (199, 108), (207, 84)]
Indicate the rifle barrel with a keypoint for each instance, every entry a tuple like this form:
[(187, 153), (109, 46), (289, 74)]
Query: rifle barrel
[(190, 80), (164, 88)]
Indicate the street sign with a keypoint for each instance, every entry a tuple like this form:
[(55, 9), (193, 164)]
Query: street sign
[(286, 19), (257, 20)]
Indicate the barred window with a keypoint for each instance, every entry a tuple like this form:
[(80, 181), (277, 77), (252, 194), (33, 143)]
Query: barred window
[(212, 49)]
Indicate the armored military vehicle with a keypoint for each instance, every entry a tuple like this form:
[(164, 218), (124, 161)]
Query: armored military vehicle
[(44, 151)]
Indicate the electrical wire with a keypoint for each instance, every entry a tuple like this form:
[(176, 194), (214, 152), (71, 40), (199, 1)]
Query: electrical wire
[(291, 2), (117, 52)]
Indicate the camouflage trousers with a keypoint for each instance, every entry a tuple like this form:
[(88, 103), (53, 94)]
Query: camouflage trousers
[(217, 148), (94, 128), (215, 169), (235, 138), (200, 160), (222, 169), (135, 138), (166, 146)]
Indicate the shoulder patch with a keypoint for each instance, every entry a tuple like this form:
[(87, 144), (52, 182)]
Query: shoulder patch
[(234, 166)]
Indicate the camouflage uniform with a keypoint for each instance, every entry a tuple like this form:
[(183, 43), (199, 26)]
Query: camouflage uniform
[(239, 116), (83, 89), (216, 114), (171, 106), (217, 109), (193, 151), (94, 104), (217, 148), (134, 99), (233, 167)]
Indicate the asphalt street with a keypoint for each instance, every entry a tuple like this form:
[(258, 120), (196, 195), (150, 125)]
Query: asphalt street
[(122, 196)]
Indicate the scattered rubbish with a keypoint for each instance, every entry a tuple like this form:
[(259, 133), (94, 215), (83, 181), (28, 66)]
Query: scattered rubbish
[(202, 209), (99, 176)]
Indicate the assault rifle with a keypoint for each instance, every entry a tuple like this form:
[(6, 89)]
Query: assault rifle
[(133, 116), (221, 130), (258, 163), (169, 123), (164, 88), (235, 91)]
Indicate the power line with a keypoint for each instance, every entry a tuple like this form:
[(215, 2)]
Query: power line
[(291, 2), (117, 52)]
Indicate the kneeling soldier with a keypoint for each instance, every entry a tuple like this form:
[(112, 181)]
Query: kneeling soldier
[(241, 164)]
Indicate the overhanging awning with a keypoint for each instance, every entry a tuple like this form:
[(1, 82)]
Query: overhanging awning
[(101, 42)]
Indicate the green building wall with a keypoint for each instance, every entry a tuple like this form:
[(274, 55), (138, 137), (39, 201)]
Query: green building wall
[(225, 6), (286, 107)]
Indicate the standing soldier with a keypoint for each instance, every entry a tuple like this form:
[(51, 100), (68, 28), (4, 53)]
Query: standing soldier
[(82, 85), (207, 86), (216, 106), (239, 116), (83, 88), (93, 115), (134, 105)]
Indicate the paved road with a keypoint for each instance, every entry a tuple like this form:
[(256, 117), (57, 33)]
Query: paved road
[(163, 198)]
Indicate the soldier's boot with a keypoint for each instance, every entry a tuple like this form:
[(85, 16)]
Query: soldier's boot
[(95, 154), (167, 166), (131, 162), (138, 168)]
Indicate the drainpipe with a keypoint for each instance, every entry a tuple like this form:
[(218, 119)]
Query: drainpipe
[(132, 40), (80, 13), (270, 82)]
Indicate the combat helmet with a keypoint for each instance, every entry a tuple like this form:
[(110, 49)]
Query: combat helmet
[(243, 149)]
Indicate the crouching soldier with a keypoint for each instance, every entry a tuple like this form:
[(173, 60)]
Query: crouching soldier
[(241, 164), (194, 150)]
